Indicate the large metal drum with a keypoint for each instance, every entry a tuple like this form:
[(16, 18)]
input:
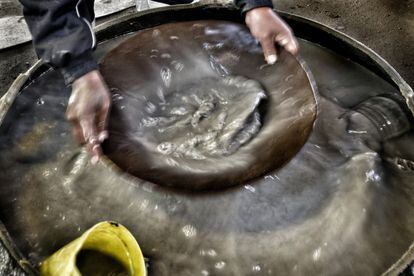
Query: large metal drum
[(342, 205)]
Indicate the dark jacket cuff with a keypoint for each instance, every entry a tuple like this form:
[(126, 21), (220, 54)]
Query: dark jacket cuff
[(248, 5), (78, 67)]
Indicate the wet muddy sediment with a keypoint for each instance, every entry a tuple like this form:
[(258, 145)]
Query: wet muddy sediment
[(196, 108)]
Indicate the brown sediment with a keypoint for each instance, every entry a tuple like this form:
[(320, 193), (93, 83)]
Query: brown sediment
[(162, 78)]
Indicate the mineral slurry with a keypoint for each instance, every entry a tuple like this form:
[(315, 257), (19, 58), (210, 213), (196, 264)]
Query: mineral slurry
[(342, 204), (200, 111)]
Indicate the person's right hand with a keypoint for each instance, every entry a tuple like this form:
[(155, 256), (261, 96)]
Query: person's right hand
[(88, 110), (268, 28)]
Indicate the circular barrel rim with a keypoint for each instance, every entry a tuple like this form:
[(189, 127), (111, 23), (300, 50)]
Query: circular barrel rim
[(130, 21)]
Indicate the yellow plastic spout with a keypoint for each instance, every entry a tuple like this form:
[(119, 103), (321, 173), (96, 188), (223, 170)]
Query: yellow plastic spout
[(109, 238)]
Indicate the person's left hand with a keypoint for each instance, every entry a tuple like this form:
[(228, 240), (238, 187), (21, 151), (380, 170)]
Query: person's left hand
[(268, 28), (88, 110)]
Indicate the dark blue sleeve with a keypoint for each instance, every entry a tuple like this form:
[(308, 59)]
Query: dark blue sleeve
[(62, 34), (247, 5)]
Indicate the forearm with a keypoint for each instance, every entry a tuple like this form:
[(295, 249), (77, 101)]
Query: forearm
[(62, 34)]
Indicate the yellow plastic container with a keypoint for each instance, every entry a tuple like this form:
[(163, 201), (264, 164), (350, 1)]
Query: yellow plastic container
[(108, 238)]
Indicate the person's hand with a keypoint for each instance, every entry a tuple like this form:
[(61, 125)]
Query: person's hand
[(88, 110), (268, 28)]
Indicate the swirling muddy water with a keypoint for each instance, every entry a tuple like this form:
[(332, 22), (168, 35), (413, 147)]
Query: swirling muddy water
[(342, 205), (220, 119)]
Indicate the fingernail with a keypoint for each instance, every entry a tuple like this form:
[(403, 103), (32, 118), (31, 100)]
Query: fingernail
[(93, 141), (103, 135), (292, 49), (95, 160), (95, 148), (271, 59), (284, 42), (71, 99)]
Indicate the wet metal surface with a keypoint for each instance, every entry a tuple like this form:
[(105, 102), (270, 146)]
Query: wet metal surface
[(341, 204), (8, 265), (190, 111)]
